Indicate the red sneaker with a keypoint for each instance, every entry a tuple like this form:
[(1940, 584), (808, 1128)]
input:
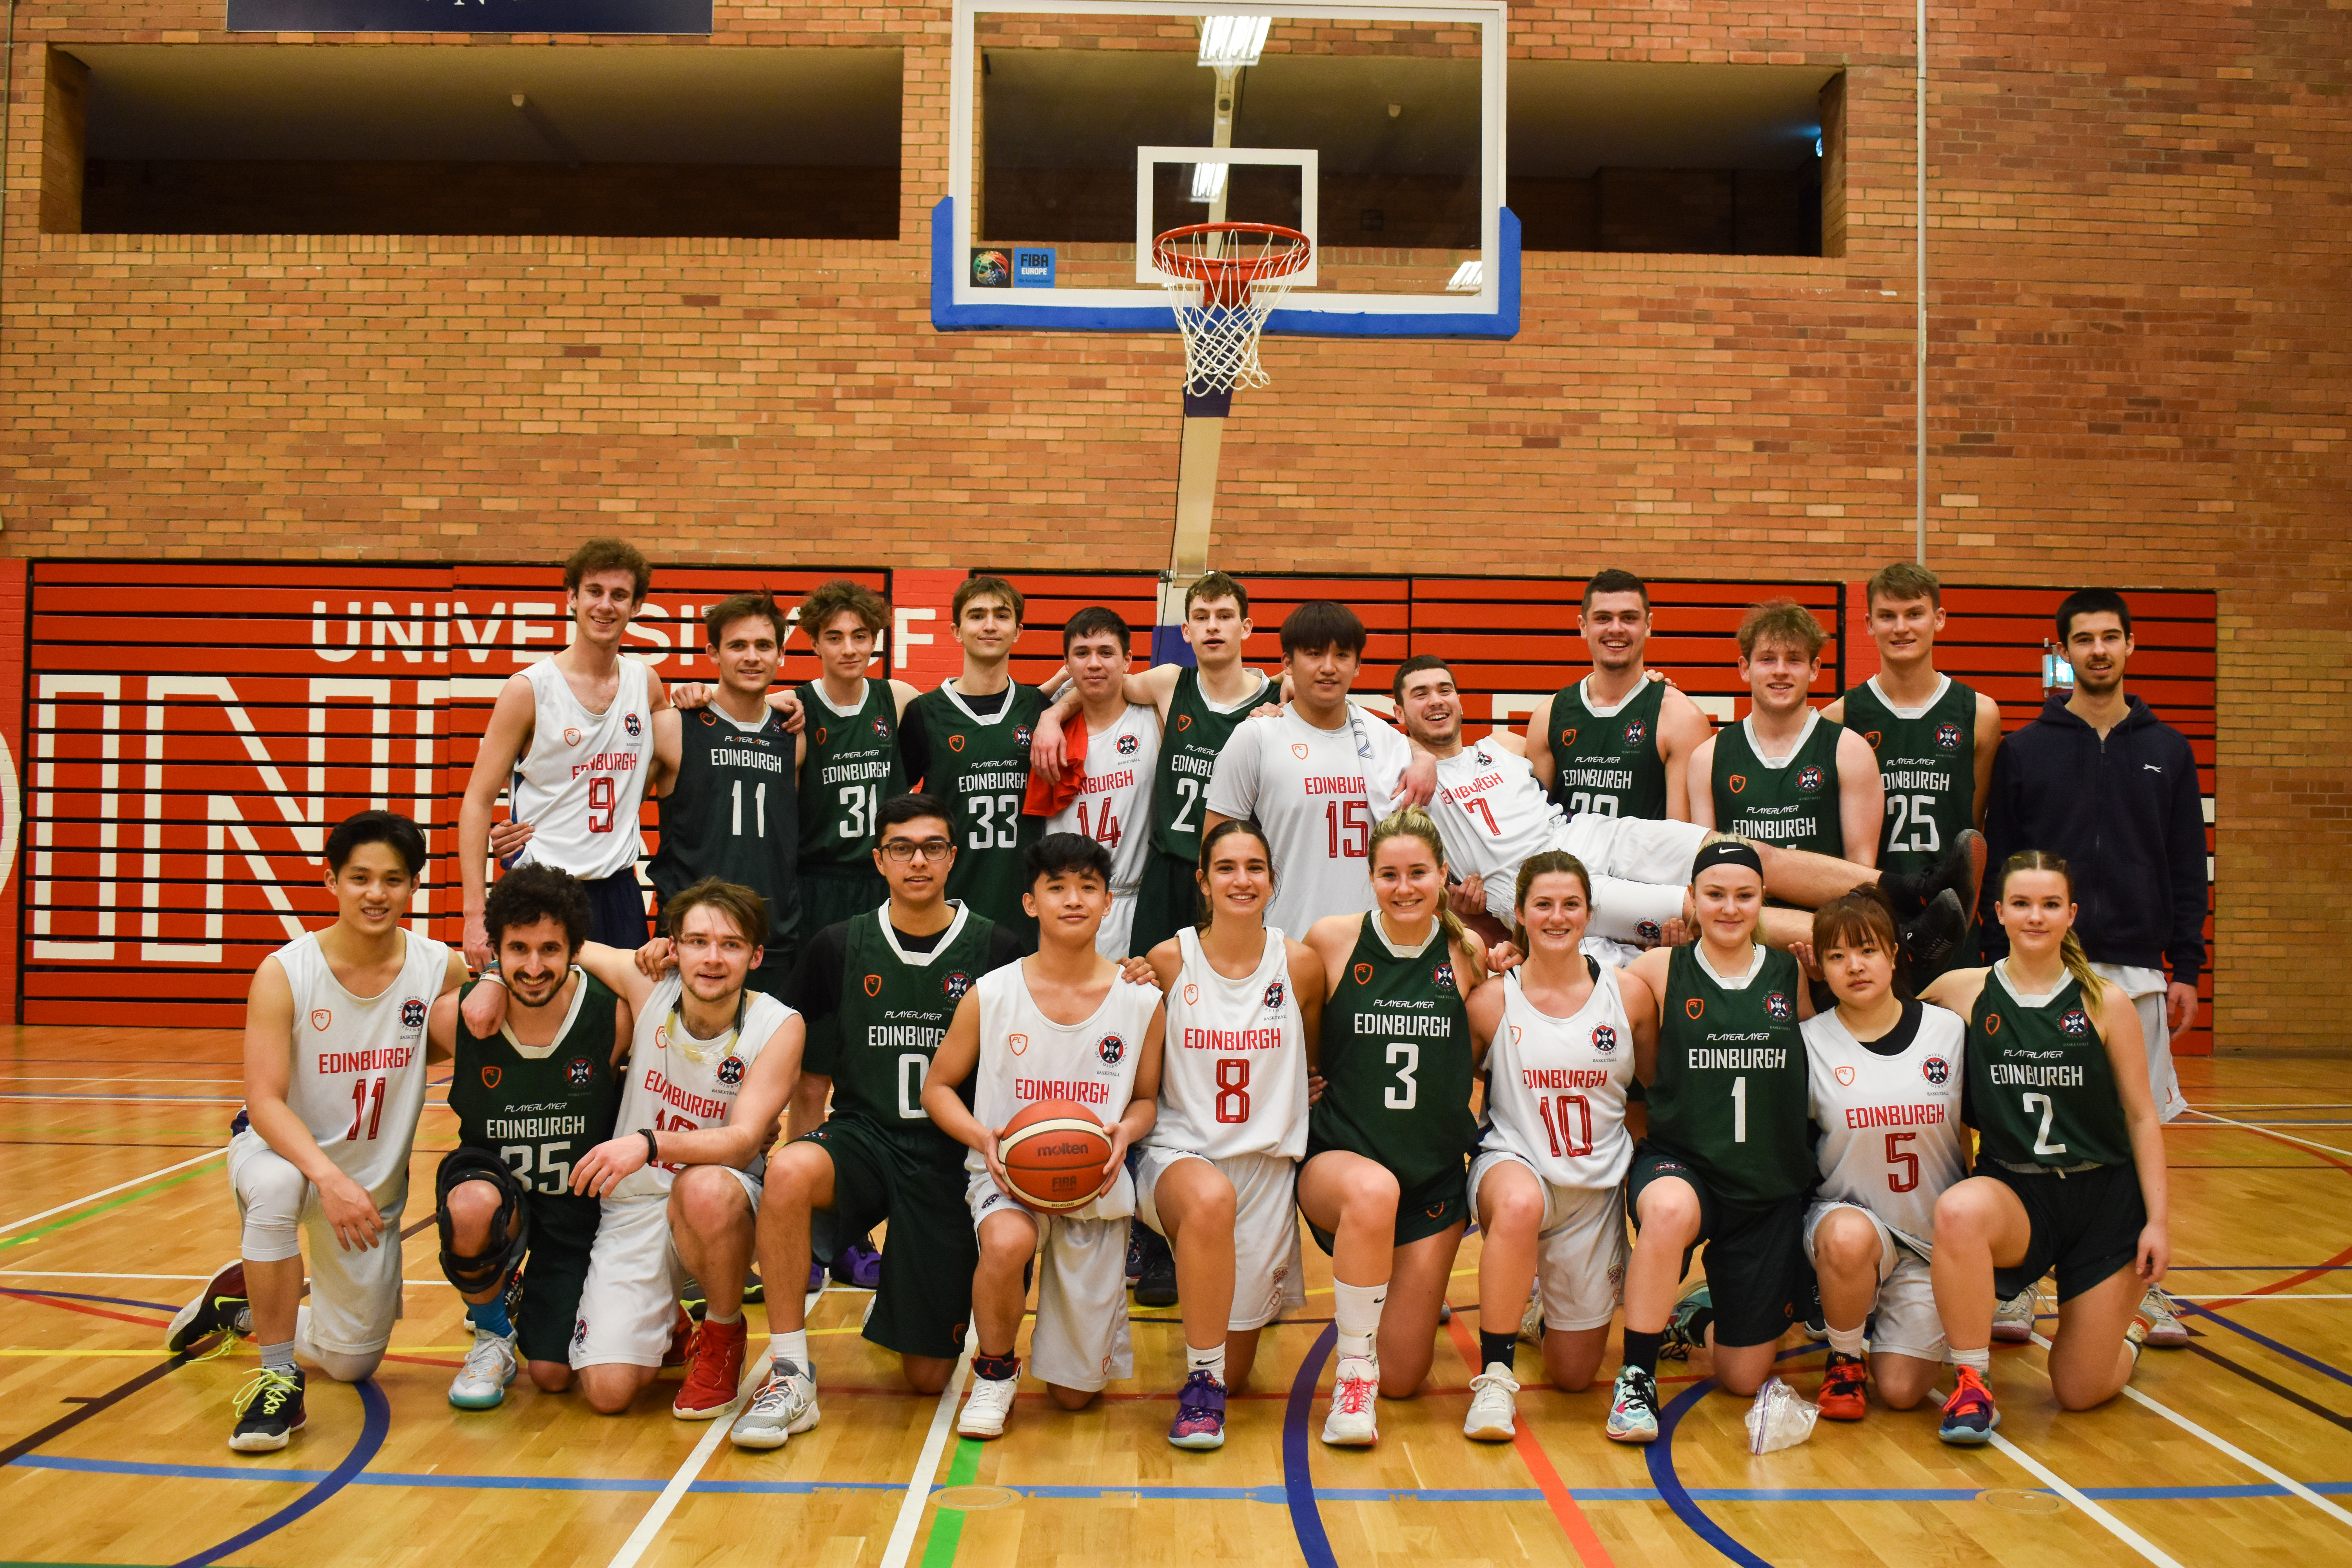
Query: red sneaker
[(714, 1373), (681, 1340), (1842, 1389)]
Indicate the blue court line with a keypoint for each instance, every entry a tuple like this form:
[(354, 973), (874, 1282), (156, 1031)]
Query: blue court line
[(78, 1295), (1297, 1483), (1660, 1456), (375, 1423), (2289, 1351)]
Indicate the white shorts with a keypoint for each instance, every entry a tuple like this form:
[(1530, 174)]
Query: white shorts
[(1580, 1246), (1080, 1340), (1118, 925), (1907, 1322), (629, 1304), (355, 1295), (2146, 989), (1640, 866), (1269, 1274)]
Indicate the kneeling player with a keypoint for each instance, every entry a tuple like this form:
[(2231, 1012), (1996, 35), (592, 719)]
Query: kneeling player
[(1061, 1025), (1219, 1167), (529, 1100), (878, 992), (1545, 1184), (335, 1081), (1886, 1073)]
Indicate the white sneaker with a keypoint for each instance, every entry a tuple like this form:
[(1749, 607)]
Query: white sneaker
[(784, 1407), (1350, 1424), (1493, 1416), (1531, 1323), (2166, 1332), (491, 1365), (2012, 1320), (990, 1403)]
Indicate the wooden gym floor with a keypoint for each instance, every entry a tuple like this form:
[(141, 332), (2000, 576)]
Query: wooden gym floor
[(116, 1205)]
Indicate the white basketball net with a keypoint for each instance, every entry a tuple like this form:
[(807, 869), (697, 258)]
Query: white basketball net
[(1221, 315)]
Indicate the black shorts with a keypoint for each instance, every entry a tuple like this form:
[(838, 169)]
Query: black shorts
[(2087, 1226), (1427, 1208), (1756, 1267), (1167, 901), (563, 1231), (925, 1297), (833, 894), (616, 909)]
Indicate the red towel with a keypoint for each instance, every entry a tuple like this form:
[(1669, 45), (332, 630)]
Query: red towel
[(1047, 797)]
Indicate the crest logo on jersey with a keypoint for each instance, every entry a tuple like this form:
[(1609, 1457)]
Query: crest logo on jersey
[(1935, 1070), (1442, 974), (881, 729), (1363, 977), (1648, 932), (2075, 1023), (1184, 722), (1845, 1076), (570, 737), (955, 742), (1567, 739), (1129, 745), (1948, 737), (1809, 779), (1637, 731), (1019, 1043), (1695, 1006), (954, 985), (578, 1071), (1111, 1048), (412, 1013), (1604, 1039), (1275, 996), (320, 1019), (490, 1076), (1737, 782), (730, 1071), (629, 721), (580, 1332), (1299, 749), (1776, 1005), (874, 986), (1021, 735), (1991, 1024), (1191, 993)]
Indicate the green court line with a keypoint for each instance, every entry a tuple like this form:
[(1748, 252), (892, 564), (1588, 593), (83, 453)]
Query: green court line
[(946, 1530), (130, 1197)]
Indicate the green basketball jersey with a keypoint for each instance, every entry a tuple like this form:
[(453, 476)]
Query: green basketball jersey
[(895, 1009), (1928, 767), (1396, 1060), (980, 765), (1196, 731), (541, 1110), (852, 767), (2041, 1090), (1608, 765), (1794, 806), (1730, 1094)]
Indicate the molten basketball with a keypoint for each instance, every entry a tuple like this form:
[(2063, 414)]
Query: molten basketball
[(1054, 1152)]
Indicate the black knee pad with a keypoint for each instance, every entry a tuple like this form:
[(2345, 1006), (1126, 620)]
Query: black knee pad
[(475, 1275)]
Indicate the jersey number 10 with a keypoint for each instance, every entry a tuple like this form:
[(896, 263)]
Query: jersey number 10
[(1560, 1131)]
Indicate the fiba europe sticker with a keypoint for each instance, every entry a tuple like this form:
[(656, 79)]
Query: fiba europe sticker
[(412, 1013), (956, 983), (1604, 1039), (1809, 779), (990, 269), (1935, 1070), (578, 1071), (1129, 745), (730, 1071), (1110, 1047), (2075, 1023), (1273, 995), (1776, 1005), (1948, 737)]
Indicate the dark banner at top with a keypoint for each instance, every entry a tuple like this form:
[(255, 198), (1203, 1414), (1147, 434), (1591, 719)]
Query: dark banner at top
[(469, 16)]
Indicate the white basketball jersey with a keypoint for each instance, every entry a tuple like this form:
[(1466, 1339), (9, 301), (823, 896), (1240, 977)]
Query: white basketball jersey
[(1556, 1087), (679, 1084), (1114, 806), (1492, 814), (1233, 1065), (580, 782), (358, 1078), (1025, 1057), (1891, 1137), (1317, 794)]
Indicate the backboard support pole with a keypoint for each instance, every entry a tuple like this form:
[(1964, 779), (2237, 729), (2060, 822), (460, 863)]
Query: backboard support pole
[(1196, 500)]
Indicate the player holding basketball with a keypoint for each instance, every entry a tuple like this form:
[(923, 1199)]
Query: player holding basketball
[(582, 734), (1545, 1183), (1317, 777), (853, 755), (1383, 1186), (1784, 775), (1219, 1165), (1113, 754), (968, 744), (1727, 1159), (1062, 1024), (1885, 1094), (530, 1098), (2070, 1159), (1616, 744), (878, 992), (334, 1082)]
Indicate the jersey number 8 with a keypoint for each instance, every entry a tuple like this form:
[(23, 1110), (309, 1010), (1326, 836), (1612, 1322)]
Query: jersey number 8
[(1232, 1089)]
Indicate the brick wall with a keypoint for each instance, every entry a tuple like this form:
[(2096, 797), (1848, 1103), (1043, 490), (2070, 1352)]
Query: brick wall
[(2139, 284)]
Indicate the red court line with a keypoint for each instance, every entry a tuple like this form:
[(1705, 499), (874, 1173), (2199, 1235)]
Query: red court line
[(40, 1300), (1572, 1522), (2308, 1274)]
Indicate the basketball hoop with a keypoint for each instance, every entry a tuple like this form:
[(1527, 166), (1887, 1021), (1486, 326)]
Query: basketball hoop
[(1225, 280)]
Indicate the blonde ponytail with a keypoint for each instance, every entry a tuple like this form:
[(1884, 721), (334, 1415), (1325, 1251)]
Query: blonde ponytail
[(2070, 946), (1412, 822)]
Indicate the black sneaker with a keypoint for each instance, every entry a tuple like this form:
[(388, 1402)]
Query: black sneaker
[(268, 1412), (1961, 871), (220, 1307), (1156, 1286), (1930, 938), (1134, 1229)]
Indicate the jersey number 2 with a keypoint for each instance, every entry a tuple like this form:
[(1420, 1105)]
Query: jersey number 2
[(2041, 1144)]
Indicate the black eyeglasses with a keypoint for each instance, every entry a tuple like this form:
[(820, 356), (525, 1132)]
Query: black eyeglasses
[(903, 850)]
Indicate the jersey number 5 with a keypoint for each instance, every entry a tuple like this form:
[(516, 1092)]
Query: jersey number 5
[(1898, 1155)]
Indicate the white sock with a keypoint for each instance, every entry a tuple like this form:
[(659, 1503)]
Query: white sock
[(1356, 1312), (1846, 1341), (1977, 1361), (1211, 1360), (729, 1321), (792, 1345)]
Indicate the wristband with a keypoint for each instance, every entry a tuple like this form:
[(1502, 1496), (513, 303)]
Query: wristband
[(494, 977), (653, 1150)]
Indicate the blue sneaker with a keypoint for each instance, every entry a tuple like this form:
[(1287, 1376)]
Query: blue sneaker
[(1200, 1413), (859, 1264), (1970, 1415)]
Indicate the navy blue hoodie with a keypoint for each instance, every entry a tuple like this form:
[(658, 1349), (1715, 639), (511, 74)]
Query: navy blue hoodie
[(2125, 814)]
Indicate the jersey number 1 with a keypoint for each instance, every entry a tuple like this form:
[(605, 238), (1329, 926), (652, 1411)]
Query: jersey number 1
[(360, 1093)]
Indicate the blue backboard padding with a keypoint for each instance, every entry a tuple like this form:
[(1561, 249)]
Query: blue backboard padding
[(947, 316)]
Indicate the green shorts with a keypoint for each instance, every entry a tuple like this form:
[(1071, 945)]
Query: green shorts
[(1168, 899), (925, 1298), (562, 1230), (835, 894), (1429, 1207)]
